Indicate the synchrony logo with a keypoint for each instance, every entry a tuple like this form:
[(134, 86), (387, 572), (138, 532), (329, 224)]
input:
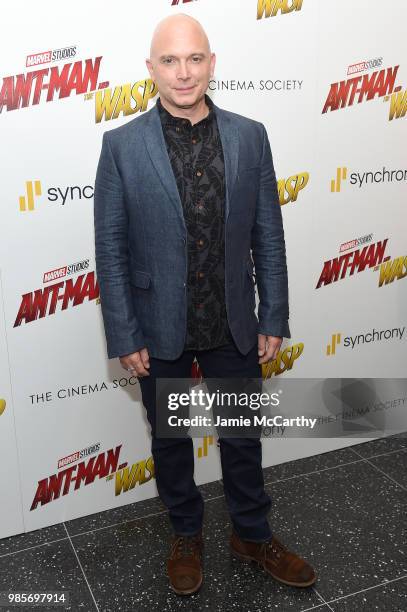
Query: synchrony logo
[(32, 188), (202, 451), (60, 195), (373, 335), (369, 177), (331, 348)]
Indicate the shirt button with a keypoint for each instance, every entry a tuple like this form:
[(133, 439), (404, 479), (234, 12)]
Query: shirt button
[(193, 141), (198, 173), (200, 206), (177, 129), (200, 242), (201, 274)]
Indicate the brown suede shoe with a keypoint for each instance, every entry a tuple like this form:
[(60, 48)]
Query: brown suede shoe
[(276, 559), (184, 564)]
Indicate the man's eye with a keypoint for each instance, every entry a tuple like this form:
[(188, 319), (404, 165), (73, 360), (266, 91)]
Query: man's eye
[(196, 59), (167, 60)]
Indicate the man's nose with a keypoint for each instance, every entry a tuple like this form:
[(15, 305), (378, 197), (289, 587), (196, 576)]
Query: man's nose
[(183, 72)]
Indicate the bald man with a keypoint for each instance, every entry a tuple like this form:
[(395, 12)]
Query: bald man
[(186, 204)]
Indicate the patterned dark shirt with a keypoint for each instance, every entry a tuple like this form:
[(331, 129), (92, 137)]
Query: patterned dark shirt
[(196, 157)]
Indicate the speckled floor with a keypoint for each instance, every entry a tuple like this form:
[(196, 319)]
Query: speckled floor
[(344, 511)]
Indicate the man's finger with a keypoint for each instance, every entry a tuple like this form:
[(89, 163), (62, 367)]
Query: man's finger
[(145, 357), (134, 364), (138, 364), (273, 346), (267, 356), (261, 344), (139, 370)]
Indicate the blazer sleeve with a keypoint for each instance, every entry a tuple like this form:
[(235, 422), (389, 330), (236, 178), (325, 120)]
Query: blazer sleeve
[(122, 330), (268, 249)]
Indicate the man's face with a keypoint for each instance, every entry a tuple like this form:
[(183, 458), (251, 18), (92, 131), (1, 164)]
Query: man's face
[(181, 65)]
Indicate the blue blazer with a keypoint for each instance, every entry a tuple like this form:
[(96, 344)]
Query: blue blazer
[(141, 238)]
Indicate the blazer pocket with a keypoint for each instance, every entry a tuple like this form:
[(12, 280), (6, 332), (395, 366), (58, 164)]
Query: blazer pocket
[(246, 172), (141, 279), (247, 168)]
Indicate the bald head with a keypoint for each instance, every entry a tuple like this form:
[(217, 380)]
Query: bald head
[(179, 27), (181, 64)]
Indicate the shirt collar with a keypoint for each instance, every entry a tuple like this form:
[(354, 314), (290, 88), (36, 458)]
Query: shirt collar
[(168, 119)]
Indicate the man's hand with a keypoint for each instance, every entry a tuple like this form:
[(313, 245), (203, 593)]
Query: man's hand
[(138, 362), (268, 347)]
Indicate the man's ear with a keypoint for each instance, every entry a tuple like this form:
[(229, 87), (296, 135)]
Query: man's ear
[(150, 67), (213, 63)]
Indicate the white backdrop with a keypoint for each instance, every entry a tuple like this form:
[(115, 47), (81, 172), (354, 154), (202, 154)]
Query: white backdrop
[(59, 393)]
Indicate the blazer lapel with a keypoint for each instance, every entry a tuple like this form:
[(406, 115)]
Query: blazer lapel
[(229, 136), (157, 149)]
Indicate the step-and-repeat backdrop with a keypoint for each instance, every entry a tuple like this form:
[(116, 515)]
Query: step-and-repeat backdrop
[(328, 80)]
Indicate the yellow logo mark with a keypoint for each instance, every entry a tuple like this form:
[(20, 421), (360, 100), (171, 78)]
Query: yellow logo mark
[(2, 405), (203, 450), (398, 104), (340, 176), (292, 186), (394, 268), (331, 348), (139, 473), (112, 102), (284, 361), (32, 187), (270, 8)]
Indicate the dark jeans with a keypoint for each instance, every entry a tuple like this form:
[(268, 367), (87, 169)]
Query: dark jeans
[(241, 458)]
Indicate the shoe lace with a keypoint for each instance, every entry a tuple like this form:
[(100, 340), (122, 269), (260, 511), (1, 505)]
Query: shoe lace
[(185, 546), (273, 549)]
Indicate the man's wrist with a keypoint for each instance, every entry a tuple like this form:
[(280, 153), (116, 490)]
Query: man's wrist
[(280, 329)]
